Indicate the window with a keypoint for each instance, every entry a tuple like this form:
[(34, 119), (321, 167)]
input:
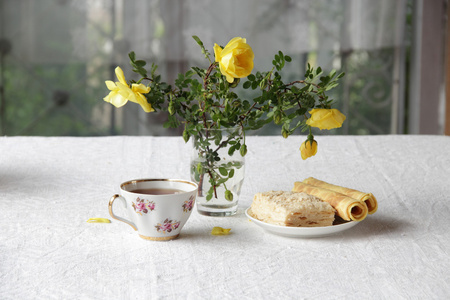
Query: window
[(56, 54)]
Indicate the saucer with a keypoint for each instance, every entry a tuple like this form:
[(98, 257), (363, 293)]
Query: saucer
[(300, 232)]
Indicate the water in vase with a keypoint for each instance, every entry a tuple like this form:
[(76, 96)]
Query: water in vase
[(223, 199)]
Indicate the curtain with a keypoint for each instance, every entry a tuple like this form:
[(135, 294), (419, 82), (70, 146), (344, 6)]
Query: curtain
[(56, 55)]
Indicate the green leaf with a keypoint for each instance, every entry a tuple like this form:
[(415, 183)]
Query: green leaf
[(132, 55), (332, 73), (325, 79), (223, 171), (140, 63), (231, 150), (186, 136), (200, 168), (243, 150), (196, 38), (228, 195)]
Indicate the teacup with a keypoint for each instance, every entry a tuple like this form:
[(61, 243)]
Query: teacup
[(157, 208)]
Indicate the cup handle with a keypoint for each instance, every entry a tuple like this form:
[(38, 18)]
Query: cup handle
[(110, 207)]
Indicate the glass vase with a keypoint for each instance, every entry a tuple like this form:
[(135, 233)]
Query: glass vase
[(218, 167)]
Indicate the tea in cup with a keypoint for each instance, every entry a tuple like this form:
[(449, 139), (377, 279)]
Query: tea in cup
[(157, 208)]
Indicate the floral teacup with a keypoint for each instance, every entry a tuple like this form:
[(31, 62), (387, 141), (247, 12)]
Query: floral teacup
[(157, 208)]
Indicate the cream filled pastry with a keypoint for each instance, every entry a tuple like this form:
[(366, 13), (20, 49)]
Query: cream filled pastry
[(293, 209)]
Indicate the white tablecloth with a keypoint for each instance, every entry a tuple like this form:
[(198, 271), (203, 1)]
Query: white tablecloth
[(50, 187)]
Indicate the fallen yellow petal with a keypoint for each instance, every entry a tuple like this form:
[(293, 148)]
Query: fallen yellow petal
[(98, 220), (220, 231)]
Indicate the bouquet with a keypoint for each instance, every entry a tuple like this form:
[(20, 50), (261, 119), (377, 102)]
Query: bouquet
[(203, 100)]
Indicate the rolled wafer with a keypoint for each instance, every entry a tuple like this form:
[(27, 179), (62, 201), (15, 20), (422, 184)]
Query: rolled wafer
[(347, 208), (368, 198)]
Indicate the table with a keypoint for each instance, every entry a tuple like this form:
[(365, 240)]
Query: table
[(50, 187)]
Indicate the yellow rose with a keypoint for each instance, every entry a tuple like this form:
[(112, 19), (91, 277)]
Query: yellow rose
[(121, 92), (235, 60), (308, 149), (139, 90), (325, 118)]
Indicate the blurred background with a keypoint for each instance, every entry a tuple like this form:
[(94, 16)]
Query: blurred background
[(56, 54)]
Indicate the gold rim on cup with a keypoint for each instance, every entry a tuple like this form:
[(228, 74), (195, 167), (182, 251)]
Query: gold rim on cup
[(134, 181)]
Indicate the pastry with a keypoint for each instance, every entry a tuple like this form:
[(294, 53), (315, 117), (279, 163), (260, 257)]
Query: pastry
[(368, 198), (292, 209), (347, 208)]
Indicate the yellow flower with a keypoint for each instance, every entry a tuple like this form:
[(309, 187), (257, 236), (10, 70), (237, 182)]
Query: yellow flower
[(98, 220), (220, 231), (235, 60), (308, 148), (121, 92), (325, 118), (139, 90)]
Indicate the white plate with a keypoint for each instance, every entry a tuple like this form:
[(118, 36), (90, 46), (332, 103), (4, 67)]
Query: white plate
[(302, 232)]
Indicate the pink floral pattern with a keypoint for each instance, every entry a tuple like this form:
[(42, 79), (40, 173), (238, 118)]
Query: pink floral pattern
[(143, 206), (188, 205), (167, 226)]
